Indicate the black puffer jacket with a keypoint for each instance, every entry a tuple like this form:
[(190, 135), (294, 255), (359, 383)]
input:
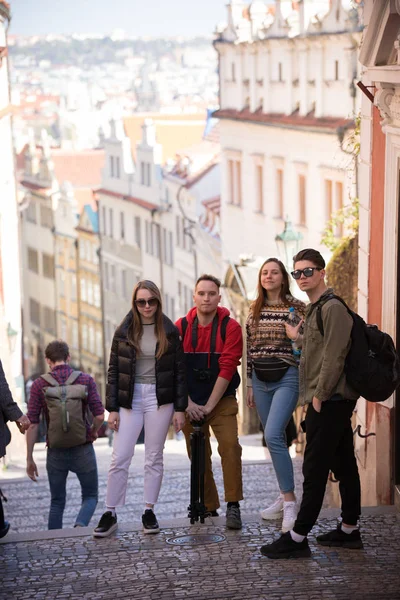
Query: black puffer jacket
[(170, 370)]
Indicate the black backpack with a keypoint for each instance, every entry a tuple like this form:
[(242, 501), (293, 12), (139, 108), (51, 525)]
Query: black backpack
[(372, 364)]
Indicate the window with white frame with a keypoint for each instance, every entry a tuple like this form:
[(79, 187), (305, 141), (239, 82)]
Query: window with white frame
[(48, 266), (83, 290), (90, 292), (33, 260), (95, 254), (99, 343), (61, 283), (117, 167), (235, 181), (112, 169)]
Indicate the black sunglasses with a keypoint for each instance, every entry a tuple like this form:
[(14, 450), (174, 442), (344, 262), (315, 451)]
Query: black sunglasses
[(142, 302), (307, 272)]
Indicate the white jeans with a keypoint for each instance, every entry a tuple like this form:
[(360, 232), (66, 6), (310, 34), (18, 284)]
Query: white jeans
[(156, 421)]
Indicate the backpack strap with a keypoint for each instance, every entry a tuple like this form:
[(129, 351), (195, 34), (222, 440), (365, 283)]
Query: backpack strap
[(50, 379), (184, 325), (320, 304), (224, 325), (73, 377)]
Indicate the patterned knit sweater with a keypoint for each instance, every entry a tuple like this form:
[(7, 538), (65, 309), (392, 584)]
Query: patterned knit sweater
[(269, 339)]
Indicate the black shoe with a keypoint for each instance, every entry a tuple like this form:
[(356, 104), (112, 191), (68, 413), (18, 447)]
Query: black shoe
[(4, 530), (150, 523), (285, 547), (107, 525), (338, 538), (233, 519), (212, 513)]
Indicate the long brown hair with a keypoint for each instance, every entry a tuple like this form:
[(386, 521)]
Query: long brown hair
[(135, 330), (262, 296)]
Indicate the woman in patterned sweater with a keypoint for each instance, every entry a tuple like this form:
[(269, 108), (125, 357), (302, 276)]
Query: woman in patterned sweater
[(272, 376)]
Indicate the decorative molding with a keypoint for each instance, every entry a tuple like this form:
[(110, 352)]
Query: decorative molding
[(383, 99)]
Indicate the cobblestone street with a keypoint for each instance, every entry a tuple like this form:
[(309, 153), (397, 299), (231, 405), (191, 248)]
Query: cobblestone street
[(69, 564), (134, 566)]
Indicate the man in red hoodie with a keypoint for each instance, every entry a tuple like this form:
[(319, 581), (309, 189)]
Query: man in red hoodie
[(213, 347)]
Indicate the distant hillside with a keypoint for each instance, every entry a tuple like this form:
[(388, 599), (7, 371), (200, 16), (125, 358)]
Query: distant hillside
[(105, 50)]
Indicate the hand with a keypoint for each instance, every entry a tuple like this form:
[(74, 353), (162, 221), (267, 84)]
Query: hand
[(31, 470), (23, 424), (317, 404), (194, 411), (293, 331), (250, 398), (113, 421), (93, 433), (178, 420)]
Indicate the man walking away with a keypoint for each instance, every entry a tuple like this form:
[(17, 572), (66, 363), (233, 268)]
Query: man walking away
[(331, 402), (213, 346), (65, 396)]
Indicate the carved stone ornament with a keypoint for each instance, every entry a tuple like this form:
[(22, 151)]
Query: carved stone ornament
[(383, 99), (395, 108)]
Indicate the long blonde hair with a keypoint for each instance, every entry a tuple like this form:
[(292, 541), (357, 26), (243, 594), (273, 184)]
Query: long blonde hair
[(135, 330)]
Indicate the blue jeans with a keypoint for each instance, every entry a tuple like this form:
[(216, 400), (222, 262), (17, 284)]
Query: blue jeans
[(82, 461), (275, 404)]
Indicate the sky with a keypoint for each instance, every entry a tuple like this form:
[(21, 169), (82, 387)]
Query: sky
[(136, 17)]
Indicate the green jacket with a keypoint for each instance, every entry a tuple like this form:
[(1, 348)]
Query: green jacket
[(322, 358)]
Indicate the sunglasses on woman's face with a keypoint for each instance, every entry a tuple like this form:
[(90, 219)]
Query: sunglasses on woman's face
[(307, 272), (141, 303)]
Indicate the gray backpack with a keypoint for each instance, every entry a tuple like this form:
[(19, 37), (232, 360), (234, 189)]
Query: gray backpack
[(67, 408)]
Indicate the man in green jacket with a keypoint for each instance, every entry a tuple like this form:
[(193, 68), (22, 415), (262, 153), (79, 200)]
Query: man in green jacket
[(331, 402)]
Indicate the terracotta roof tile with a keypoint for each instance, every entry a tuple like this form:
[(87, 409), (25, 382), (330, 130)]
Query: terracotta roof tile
[(294, 120), (138, 201), (85, 196), (81, 169)]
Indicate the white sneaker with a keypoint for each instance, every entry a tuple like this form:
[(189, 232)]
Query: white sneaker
[(273, 511), (290, 510)]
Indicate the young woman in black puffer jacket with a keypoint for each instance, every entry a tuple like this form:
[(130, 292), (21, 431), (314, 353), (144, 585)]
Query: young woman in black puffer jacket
[(146, 386)]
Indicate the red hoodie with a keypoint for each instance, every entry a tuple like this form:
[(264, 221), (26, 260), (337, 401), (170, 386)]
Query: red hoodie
[(224, 361)]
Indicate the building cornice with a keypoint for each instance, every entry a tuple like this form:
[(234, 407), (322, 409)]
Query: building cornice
[(293, 121), (138, 201)]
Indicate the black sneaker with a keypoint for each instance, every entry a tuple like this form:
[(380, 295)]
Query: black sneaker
[(106, 526), (285, 547), (4, 530), (150, 523), (212, 513), (338, 538), (233, 519)]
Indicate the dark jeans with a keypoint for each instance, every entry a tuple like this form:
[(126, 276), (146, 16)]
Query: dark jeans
[(82, 461), (329, 446)]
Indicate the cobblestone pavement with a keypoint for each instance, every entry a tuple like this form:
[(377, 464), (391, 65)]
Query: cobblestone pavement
[(133, 566), (28, 502)]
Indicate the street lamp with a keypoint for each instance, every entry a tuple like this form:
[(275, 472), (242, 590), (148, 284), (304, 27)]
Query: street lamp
[(288, 243), (12, 337)]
